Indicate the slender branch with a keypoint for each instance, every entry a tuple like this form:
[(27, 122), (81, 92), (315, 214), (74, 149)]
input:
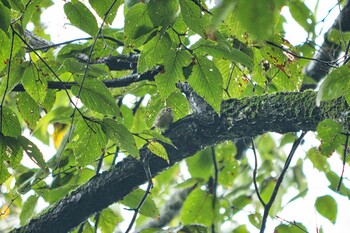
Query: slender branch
[(255, 174), (145, 195), (113, 83), (268, 206), (215, 184), (344, 162), (46, 47)]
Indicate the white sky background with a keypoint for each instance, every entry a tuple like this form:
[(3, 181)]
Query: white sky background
[(302, 210)]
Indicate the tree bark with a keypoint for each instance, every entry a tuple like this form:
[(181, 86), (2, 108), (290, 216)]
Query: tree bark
[(248, 117)]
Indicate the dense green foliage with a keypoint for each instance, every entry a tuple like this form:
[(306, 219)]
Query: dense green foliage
[(95, 99)]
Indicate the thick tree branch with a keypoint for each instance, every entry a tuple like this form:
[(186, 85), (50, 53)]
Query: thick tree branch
[(329, 51), (248, 117)]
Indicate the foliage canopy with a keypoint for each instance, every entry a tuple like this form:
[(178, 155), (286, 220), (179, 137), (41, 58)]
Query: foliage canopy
[(93, 101)]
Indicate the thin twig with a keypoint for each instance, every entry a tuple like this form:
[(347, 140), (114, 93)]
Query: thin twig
[(118, 42), (255, 174), (268, 206), (293, 223), (331, 64), (215, 184), (7, 80), (145, 195), (344, 162)]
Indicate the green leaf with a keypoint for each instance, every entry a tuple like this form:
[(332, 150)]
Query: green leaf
[(35, 84), (81, 17), (174, 61), (163, 14), (336, 84), (28, 109), (206, 80), (255, 219), (331, 137), (5, 18), (158, 149), (149, 207), (318, 160), (89, 141), (201, 164), (119, 134), (198, 208), (32, 151), (10, 153), (96, 96), (16, 74), (195, 19), (158, 136), (28, 209), (137, 24), (222, 50), (257, 17), (327, 207), (296, 227), (75, 67), (10, 123), (101, 8), (17, 5), (240, 202), (154, 51), (302, 14), (108, 220)]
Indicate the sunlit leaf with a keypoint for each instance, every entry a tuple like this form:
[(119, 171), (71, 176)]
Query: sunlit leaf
[(158, 149), (257, 17), (154, 51), (5, 16), (119, 134), (327, 207), (28, 209), (89, 142), (101, 8), (10, 124), (95, 95), (35, 83), (206, 80), (137, 24), (195, 19), (32, 151), (174, 61), (198, 208), (108, 220), (330, 133), (81, 17), (336, 84), (28, 109), (149, 207)]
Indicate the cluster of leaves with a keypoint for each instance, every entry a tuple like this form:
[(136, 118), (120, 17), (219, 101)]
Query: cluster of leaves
[(222, 53)]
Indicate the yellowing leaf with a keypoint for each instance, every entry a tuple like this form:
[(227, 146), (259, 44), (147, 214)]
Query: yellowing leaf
[(58, 133), (158, 149)]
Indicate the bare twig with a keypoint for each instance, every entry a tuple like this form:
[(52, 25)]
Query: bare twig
[(145, 195), (344, 162), (215, 183), (268, 205), (255, 173)]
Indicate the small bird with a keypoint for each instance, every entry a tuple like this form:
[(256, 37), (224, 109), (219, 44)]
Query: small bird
[(164, 118)]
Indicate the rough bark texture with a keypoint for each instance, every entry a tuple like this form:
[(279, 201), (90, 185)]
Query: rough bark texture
[(248, 117)]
